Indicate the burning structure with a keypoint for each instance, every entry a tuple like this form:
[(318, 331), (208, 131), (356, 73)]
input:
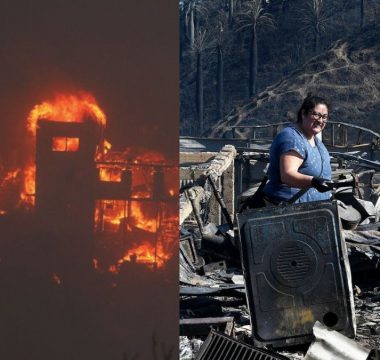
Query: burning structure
[(108, 207)]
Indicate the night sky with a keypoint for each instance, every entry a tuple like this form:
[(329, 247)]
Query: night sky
[(125, 53)]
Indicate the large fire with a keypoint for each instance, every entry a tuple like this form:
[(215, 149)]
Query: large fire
[(67, 108), (111, 216), (154, 253), (147, 253)]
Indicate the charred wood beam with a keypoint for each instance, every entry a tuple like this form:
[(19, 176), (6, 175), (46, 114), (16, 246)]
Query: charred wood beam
[(205, 291), (191, 198), (187, 248), (201, 326), (221, 162), (359, 160), (194, 195), (220, 200)]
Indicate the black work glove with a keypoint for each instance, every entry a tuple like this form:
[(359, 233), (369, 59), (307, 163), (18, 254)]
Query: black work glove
[(321, 184)]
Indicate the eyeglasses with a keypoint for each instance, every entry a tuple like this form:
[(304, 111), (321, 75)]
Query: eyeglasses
[(319, 116)]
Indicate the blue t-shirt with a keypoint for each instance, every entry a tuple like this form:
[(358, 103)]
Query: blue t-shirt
[(316, 163)]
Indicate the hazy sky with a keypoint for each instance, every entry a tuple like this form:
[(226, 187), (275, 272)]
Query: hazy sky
[(124, 52)]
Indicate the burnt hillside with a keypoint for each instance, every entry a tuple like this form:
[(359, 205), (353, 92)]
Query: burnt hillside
[(334, 52), (348, 74)]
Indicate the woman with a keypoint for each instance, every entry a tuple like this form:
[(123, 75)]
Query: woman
[(298, 158)]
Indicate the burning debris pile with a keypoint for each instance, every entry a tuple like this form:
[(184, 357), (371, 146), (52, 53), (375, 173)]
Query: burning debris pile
[(280, 278), (119, 204)]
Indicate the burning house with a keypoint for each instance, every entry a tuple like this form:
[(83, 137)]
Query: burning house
[(106, 207)]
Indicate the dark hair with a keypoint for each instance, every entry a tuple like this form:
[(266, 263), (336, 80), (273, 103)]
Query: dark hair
[(309, 103)]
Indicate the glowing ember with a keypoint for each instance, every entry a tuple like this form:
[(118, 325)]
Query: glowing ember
[(113, 269), (95, 263), (56, 279), (10, 177), (106, 146)]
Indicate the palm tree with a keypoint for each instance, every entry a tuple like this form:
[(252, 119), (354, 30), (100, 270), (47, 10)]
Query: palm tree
[(201, 43), (194, 10), (221, 38), (182, 28), (253, 16), (314, 20), (231, 11)]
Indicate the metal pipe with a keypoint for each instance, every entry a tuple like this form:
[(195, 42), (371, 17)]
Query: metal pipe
[(221, 202)]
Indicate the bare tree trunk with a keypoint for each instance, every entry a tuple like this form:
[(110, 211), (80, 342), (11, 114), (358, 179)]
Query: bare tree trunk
[(317, 42), (199, 92), (220, 80), (362, 13), (182, 37), (192, 26), (231, 10), (253, 64)]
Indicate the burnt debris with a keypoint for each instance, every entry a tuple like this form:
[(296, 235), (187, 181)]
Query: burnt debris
[(286, 283)]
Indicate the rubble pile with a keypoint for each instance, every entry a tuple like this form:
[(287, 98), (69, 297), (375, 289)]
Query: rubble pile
[(220, 290)]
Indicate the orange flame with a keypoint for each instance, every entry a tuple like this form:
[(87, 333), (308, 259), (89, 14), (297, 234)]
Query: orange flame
[(65, 144), (66, 108), (110, 174), (106, 146), (10, 177), (153, 254), (135, 155), (148, 254), (115, 212), (27, 195), (143, 222)]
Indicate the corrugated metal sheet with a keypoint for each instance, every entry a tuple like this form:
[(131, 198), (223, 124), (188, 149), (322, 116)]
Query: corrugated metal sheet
[(219, 346), (331, 345)]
